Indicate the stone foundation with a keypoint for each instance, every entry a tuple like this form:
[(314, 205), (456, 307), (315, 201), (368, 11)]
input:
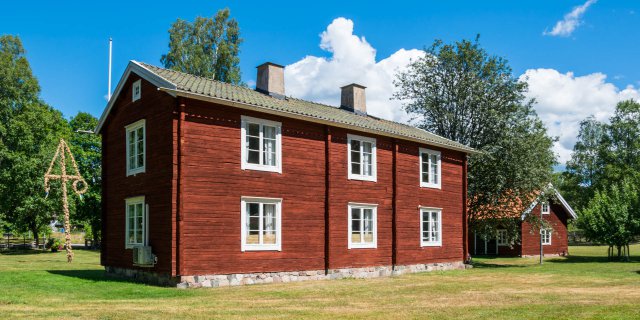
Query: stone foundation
[(237, 279), (143, 276)]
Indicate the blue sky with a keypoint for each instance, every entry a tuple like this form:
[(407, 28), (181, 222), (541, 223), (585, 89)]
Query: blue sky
[(67, 42)]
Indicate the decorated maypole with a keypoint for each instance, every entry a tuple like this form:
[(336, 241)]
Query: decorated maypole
[(61, 155)]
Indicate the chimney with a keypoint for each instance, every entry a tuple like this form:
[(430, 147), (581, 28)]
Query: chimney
[(271, 80), (353, 99)]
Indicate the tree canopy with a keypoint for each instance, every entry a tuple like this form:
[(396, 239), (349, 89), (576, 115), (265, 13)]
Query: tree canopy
[(460, 92), (206, 47)]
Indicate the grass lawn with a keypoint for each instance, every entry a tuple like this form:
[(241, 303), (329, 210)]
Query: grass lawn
[(586, 285)]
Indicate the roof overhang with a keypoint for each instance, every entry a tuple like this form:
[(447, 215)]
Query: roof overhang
[(563, 202), (187, 94), (141, 71)]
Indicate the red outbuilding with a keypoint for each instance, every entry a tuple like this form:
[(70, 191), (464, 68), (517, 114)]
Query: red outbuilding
[(211, 184), (552, 238)]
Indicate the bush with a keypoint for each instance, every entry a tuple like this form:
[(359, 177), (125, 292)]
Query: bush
[(54, 244)]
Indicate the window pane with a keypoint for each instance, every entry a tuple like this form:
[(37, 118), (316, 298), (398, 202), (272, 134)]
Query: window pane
[(366, 160), (434, 168), (253, 157), (269, 132), (355, 168), (269, 149), (131, 223), (367, 147), (253, 129), (253, 223), (140, 160), (253, 236), (356, 225)]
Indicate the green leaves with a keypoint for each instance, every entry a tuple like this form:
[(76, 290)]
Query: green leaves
[(461, 92), (208, 47)]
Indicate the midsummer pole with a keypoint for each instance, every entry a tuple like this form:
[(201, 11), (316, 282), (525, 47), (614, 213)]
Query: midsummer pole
[(76, 178)]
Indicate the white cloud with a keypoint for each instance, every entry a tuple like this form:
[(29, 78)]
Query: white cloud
[(570, 22), (352, 59), (563, 100)]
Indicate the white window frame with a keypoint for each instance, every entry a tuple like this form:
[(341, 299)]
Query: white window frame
[(548, 211), (245, 165), (145, 221), (542, 235), (243, 222), (374, 209), (135, 97), (133, 127), (437, 243), (374, 158), (502, 238), (430, 184)]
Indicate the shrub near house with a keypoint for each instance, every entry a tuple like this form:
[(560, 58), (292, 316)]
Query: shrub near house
[(228, 185)]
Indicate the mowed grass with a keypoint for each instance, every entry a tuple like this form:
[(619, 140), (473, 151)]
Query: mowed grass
[(585, 285)]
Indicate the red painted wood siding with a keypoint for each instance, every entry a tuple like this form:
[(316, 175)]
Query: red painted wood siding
[(559, 241), (206, 238), (411, 196), (155, 184), (214, 184)]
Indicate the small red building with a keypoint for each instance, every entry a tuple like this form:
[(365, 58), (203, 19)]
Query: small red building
[(211, 184), (554, 240)]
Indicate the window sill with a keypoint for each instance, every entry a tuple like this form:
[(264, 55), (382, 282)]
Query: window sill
[(430, 185), (363, 246), (136, 171), (255, 167), (363, 178), (261, 248), (431, 244)]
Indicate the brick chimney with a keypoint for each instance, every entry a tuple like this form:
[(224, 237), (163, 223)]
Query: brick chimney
[(353, 98), (271, 79)]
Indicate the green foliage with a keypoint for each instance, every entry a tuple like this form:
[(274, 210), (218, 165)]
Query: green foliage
[(30, 131), (604, 154), (87, 149), (462, 93), (612, 217), (207, 47), (54, 243)]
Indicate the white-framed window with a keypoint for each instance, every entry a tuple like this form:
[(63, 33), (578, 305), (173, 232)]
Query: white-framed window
[(544, 207), (136, 222), (136, 90), (546, 236), (502, 237), (430, 168), (363, 225), (136, 147), (430, 227), (261, 144), (261, 221), (361, 158)]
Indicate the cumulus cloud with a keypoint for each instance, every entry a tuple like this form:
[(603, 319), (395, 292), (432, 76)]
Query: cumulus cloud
[(570, 22), (563, 100), (352, 60)]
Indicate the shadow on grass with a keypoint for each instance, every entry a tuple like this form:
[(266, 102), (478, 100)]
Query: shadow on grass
[(90, 275), (588, 259), (12, 252)]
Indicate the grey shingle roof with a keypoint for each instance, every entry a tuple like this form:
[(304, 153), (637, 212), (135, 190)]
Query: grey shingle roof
[(207, 87)]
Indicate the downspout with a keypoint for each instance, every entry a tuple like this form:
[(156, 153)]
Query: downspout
[(394, 203), (327, 194), (179, 185)]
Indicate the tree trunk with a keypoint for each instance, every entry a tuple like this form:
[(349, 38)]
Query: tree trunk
[(619, 252), (34, 230)]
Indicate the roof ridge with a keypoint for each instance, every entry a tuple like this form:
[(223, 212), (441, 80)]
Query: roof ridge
[(187, 82)]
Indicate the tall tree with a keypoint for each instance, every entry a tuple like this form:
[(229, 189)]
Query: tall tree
[(207, 47), (29, 131), (460, 92), (87, 150), (612, 217), (586, 165)]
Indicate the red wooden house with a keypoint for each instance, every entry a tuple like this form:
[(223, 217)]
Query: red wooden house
[(553, 239), (211, 184)]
